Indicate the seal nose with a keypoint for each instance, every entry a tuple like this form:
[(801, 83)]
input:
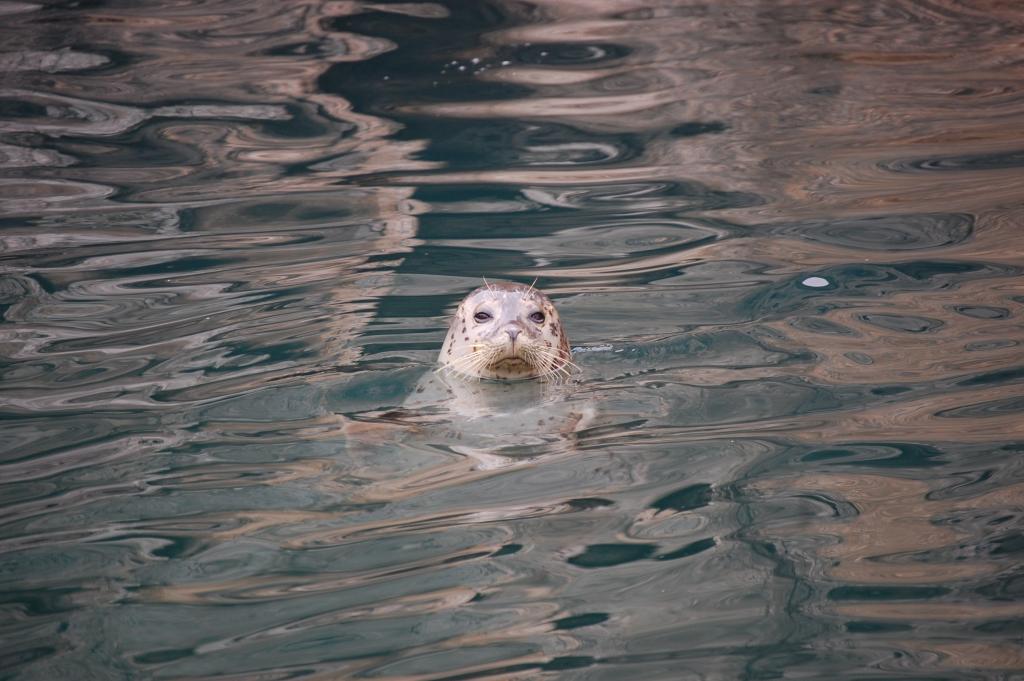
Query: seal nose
[(512, 334)]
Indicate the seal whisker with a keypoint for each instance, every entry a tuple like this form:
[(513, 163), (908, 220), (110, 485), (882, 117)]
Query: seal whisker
[(459, 367), (554, 363), (563, 361), (469, 365), (555, 356), (474, 360)]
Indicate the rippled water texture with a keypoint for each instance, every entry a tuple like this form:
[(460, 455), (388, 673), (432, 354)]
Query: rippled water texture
[(785, 238)]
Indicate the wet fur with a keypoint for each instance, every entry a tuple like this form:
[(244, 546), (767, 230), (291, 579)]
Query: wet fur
[(486, 350)]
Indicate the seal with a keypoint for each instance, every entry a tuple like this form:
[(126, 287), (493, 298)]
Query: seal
[(452, 428), (506, 332)]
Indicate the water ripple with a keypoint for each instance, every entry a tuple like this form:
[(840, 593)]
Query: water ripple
[(784, 241)]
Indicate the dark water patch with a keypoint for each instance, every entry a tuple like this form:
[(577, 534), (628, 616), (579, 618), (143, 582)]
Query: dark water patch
[(475, 200), (886, 390), (752, 400), (567, 662), (40, 602), (496, 671), (583, 620), (621, 82), (889, 232), (127, 222), (172, 265), (507, 550), (861, 358), (254, 355), (29, 437), (886, 593), (564, 239), (826, 90), (1014, 627), (475, 263), (611, 555), (162, 656), (411, 306), (691, 549), (469, 556), (1006, 587), (903, 323), (928, 269), (175, 547), (836, 508), (556, 664), (694, 128), (994, 377), (982, 311), (881, 455), (866, 280), (867, 627), (1001, 160), (721, 348), (425, 65), (588, 504), (988, 346), (10, 661), (661, 197), (571, 54), (685, 499), (1008, 545), (986, 409), (486, 143), (143, 148), (818, 325), (21, 109)]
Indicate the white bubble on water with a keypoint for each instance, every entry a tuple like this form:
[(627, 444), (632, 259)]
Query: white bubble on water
[(593, 348)]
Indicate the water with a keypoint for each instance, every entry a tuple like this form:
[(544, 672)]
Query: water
[(785, 240)]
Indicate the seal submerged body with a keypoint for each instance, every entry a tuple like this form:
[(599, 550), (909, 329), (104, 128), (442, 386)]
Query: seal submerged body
[(506, 332)]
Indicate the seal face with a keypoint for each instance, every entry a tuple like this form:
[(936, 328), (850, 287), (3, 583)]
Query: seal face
[(506, 332)]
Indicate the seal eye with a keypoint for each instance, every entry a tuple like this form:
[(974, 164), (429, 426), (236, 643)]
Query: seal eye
[(481, 317), (537, 317)]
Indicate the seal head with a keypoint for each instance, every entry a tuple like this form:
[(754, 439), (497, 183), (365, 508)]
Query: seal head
[(506, 332)]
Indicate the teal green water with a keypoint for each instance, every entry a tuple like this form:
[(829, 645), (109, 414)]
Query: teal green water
[(784, 239)]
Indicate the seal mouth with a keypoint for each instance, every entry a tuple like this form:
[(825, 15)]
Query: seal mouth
[(514, 362), (525, 358), (512, 351)]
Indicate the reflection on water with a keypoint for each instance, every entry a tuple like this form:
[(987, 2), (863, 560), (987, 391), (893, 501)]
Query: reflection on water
[(784, 237)]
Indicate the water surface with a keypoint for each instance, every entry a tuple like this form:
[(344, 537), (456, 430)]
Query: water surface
[(784, 238)]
